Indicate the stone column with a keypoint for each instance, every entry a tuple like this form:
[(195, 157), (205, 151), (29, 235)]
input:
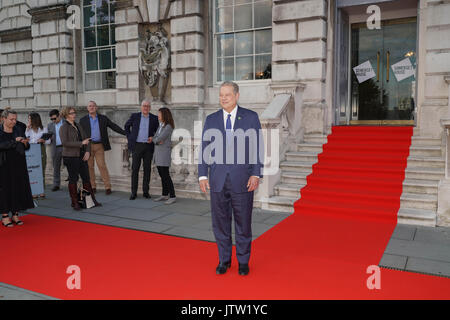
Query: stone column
[(443, 213), (127, 52), (299, 53), (187, 45), (53, 71)]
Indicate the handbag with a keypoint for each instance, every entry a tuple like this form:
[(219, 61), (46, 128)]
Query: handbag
[(85, 199)]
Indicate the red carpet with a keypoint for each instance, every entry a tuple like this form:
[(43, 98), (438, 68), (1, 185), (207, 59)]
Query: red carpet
[(322, 251)]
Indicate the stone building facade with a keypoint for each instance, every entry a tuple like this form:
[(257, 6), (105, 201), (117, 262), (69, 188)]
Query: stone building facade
[(293, 60)]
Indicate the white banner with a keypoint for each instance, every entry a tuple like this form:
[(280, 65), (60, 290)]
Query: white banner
[(403, 69), (364, 71), (34, 164)]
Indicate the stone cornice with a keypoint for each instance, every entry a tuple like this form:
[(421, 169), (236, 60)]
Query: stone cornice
[(15, 34), (124, 4), (55, 12)]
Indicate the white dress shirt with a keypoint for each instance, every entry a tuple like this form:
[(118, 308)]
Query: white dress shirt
[(36, 135)]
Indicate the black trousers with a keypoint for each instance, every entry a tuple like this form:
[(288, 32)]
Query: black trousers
[(77, 167), (142, 153), (167, 184)]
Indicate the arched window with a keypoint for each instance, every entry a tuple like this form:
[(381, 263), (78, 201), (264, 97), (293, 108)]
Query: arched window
[(99, 50), (242, 39)]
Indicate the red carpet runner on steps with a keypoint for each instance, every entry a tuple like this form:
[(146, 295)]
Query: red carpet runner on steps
[(341, 225)]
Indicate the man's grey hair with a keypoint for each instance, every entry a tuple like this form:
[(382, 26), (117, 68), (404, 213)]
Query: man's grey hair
[(146, 101), (92, 101), (7, 112), (230, 84)]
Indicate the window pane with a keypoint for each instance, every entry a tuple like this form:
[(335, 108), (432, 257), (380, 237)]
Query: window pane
[(100, 80), (88, 2), (228, 69), (114, 58), (220, 3), (263, 65), (219, 69), (109, 80), (263, 14), (105, 59), (224, 19), (244, 68), (103, 36), (102, 12), (91, 61), (225, 45), (112, 29), (112, 11), (263, 40), (242, 17), (244, 43), (89, 16), (89, 37), (242, 1)]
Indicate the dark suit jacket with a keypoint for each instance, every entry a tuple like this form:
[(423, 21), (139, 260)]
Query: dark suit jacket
[(104, 123), (247, 160), (132, 129)]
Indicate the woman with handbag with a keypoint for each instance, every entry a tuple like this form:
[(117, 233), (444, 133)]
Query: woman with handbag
[(34, 133), (163, 154), (76, 152), (15, 190)]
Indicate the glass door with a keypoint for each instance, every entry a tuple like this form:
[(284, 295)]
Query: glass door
[(383, 64)]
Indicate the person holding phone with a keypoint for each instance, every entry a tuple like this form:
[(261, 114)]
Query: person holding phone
[(37, 133), (76, 153)]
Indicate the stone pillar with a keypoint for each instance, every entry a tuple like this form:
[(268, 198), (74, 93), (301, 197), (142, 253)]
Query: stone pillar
[(187, 45), (299, 53), (16, 56), (53, 71), (127, 53)]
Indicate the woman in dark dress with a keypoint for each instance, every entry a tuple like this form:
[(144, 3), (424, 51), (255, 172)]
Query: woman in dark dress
[(15, 190)]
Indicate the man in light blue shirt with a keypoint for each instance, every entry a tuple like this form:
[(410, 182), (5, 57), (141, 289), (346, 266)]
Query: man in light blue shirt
[(56, 145)]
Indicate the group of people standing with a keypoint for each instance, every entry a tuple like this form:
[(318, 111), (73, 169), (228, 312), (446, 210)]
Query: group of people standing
[(78, 146)]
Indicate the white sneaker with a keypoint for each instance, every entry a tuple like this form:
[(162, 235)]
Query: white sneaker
[(162, 198), (171, 200)]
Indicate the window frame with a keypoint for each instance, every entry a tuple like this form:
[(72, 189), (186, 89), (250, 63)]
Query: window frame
[(216, 35), (96, 48)]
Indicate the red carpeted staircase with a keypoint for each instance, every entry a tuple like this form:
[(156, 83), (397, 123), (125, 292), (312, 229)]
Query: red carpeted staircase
[(359, 174)]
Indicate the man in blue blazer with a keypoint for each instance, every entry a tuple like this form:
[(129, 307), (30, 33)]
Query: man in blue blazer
[(140, 129), (231, 154)]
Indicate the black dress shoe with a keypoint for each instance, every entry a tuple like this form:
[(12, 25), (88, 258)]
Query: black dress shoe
[(55, 189), (223, 267), (146, 195), (243, 269), (133, 197)]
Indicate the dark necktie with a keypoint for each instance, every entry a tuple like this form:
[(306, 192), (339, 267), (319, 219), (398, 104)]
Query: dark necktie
[(228, 129)]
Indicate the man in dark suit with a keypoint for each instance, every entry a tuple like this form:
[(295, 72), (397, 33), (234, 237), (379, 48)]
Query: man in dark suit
[(140, 129), (56, 146), (230, 153), (96, 127)]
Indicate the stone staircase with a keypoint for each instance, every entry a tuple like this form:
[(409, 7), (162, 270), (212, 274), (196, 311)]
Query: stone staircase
[(419, 200), (294, 170)]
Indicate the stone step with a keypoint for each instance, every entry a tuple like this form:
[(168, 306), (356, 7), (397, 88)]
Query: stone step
[(302, 156), (416, 217), (297, 166), (289, 190), (425, 141), (419, 201), (427, 151), (424, 173), (420, 186), (310, 147), (315, 138), (420, 161), (294, 177), (279, 203)]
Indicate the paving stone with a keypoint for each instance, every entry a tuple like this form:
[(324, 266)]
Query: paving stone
[(184, 209), (142, 225), (275, 219), (432, 235), (404, 232), (93, 218), (428, 266), (393, 261), (184, 220), (418, 249), (141, 203), (53, 212), (191, 233), (135, 213), (9, 292)]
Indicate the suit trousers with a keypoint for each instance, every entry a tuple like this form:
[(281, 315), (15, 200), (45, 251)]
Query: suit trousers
[(98, 154), (166, 180), (224, 204), (77, 167), (141, 153), (57, 159)]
